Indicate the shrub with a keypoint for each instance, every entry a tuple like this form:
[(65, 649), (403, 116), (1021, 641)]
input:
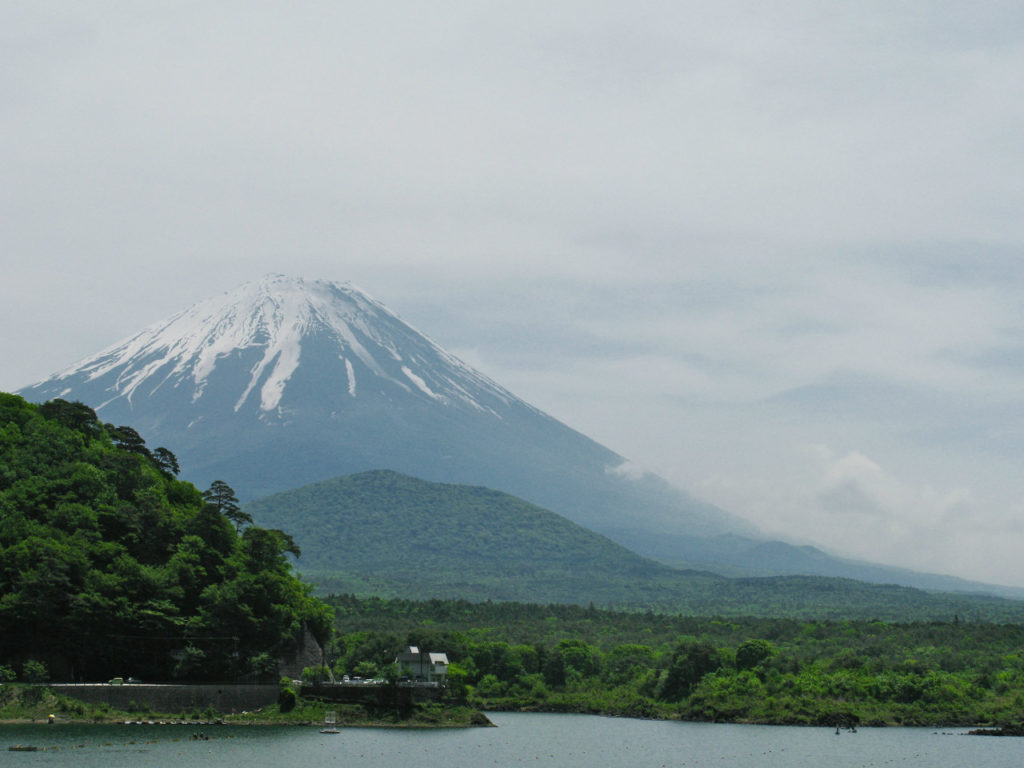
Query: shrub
[(286, 699), (315, 674), (35, 672), (263, 665)]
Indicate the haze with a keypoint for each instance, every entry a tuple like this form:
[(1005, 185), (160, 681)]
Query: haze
[(772, 252)]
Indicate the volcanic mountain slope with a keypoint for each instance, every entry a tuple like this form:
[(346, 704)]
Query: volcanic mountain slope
[(284, 382)]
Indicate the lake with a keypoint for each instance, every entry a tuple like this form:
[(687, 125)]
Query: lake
[(521, 739)]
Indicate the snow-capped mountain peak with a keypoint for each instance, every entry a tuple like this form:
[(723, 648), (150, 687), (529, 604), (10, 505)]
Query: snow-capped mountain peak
[(283, 382), (268, 324)]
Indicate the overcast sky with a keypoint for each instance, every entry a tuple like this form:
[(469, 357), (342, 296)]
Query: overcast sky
[(772, 251)]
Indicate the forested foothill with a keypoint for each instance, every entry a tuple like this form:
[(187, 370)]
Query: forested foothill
[(515, 656), (381, 533), (111, 566)]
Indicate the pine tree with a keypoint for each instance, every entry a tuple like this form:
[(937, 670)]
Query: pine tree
[(222, 496)]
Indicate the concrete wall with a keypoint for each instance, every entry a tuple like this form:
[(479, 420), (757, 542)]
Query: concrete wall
[(172, 699)]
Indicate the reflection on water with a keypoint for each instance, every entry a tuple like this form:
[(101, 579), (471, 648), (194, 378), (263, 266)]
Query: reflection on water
[(566, 741)]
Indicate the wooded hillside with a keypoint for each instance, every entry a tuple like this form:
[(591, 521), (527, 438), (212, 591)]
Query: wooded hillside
[(110, 565), (385, 534)]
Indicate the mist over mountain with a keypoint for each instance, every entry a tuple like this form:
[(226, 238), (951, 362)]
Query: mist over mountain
[(284, 382)]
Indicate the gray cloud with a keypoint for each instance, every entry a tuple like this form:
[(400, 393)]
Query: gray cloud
[(710, 234)]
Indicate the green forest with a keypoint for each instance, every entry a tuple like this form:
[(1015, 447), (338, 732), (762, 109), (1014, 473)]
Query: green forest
[(111, 566), (385, 534), (568, 658)]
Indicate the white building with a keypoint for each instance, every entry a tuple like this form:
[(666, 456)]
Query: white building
[(421, 665)]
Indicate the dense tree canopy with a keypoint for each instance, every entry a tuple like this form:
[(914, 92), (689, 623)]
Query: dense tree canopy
[(111, 566), (366, 534), (569, 658)]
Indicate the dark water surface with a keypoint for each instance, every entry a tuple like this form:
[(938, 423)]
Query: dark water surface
[(519, 740)]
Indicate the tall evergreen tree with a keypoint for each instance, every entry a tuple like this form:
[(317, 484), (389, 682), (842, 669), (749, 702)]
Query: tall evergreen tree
[(128, 439), (222, 496), (166, 461)]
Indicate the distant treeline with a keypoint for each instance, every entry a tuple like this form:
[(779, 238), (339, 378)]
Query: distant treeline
[(580, 659)]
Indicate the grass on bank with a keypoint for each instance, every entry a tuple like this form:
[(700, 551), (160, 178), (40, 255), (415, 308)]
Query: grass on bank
[(35, 703)]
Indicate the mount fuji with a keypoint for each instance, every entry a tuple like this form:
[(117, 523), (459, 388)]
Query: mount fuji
[(285, 382)]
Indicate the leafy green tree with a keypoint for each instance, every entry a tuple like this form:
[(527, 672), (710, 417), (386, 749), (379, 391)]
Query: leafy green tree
[(581, 657), (490, 687), (554, 669), (317, 674), (190, 662), (365, 669), (77, 416), (456, 681), (262, 666), (690, 662), (35, 672), (628, 662), (750, 653), (525, 659)]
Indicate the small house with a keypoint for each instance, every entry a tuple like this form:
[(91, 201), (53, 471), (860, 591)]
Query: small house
[(421, 665)]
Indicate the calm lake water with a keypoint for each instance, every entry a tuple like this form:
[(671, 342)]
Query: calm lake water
[(519, 740)]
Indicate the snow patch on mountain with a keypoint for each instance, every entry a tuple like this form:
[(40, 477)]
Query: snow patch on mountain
[(420, 383), (351, 376)]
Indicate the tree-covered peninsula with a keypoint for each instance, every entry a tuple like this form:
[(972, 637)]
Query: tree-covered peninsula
[(571, 658), (110, 565)]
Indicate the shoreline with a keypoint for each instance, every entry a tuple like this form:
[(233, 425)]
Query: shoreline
[(235, 721), (39, 707), (260, 723)]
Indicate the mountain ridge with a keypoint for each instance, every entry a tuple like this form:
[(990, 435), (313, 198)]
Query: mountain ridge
[(741, 556)]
